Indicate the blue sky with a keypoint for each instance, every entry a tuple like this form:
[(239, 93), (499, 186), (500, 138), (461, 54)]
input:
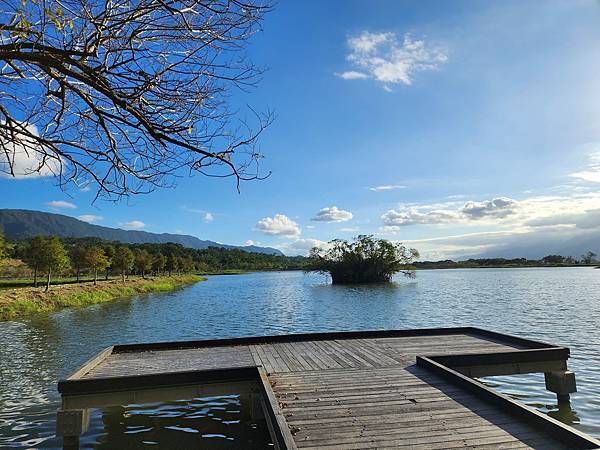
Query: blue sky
[(460, 128)]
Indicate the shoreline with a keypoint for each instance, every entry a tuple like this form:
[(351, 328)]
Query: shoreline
[(547, 266), (23, 301)]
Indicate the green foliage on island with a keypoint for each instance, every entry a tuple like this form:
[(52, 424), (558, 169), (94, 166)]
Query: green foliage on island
[(365, 260)]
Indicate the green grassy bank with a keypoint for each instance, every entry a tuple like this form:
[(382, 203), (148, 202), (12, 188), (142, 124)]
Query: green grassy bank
[(28, 300)]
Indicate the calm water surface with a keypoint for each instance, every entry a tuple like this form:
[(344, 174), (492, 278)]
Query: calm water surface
[(559, 305)]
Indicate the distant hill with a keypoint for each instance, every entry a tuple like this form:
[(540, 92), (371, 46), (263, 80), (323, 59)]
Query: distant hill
[(21, 223)]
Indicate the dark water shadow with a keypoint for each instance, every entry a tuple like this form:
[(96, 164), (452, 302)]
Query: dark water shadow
[(221, 422)]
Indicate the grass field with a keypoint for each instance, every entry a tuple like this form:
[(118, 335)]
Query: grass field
[(24, 300)]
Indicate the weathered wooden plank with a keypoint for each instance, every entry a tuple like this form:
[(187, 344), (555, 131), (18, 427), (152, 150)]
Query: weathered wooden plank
[(354, 390)]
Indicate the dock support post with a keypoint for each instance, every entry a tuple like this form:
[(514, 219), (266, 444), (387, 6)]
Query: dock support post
[(70, 424), (562, 383), (256, 411)]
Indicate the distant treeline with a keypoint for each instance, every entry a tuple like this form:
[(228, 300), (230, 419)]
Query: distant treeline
[(52, 256), (550, 261)]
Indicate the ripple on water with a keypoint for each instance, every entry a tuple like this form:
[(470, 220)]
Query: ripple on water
[(561, 306)]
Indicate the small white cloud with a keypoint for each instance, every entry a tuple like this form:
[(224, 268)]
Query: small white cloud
[(310, 227), (90, 218), (249, 242), (133, 225), (389, 229), (352, 75), (279, 225), (22, 157), (383, 57), (387, 187), (498, 207), (592, 173), (332, 214), (61, 204), (592, 176), (302, 246), (349, 229), (208, 217), (413, 216)]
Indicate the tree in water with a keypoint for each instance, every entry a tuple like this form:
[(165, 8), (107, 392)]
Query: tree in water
[(365, 260), (123, 261), (53, 257), (96, 260), (124, 96)]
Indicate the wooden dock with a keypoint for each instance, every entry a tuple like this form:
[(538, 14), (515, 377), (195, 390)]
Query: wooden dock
[(352, 390)]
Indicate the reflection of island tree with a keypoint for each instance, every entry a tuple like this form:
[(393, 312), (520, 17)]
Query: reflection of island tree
[(365, 260), (184, 424)]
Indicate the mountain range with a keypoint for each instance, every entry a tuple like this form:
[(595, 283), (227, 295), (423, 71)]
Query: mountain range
[(21, 223)]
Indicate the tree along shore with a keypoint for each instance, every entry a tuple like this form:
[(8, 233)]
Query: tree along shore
[(587, 259), (22, 301)]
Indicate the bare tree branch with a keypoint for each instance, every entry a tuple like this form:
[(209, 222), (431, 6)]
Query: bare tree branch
[(125, 94)]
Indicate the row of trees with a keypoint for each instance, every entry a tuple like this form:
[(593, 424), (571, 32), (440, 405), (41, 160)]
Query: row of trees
[(588, 258), (48, 255)]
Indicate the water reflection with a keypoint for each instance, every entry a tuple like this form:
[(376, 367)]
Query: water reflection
[(216, 422), (562, 411)]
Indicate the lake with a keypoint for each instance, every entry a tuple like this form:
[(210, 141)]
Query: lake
[(557, 305)]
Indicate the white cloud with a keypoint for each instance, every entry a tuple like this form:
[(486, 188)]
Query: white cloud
[(61, 204), (414, 216), (279, 225), (207, 216), (352, 75), (310, 227), (497, 208), (302, 246), (383, 57), (25, 158), (133, 225), (332, 214), (389, 229), (592, 176), (349, 229), (387, 187), (90, 218), (592, 173)]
